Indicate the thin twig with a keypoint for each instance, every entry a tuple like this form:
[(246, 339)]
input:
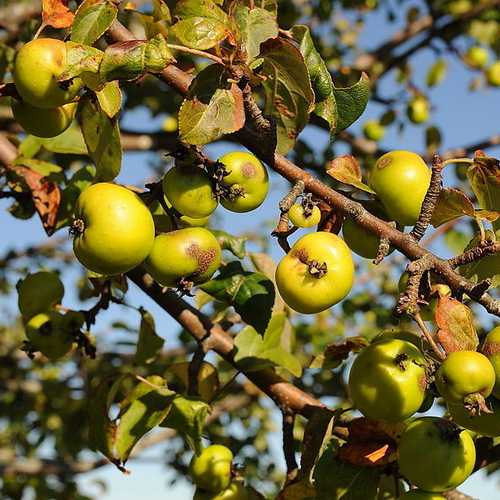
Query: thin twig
[(428, 337), (289, 445), (195, 52)]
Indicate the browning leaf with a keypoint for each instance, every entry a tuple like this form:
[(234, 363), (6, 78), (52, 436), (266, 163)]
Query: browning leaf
[(456, 327), (46, 196), (55, 13), (346, 169), (334, 354)]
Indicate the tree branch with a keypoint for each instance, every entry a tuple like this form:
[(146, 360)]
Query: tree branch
[(430, 200), (202, 329)]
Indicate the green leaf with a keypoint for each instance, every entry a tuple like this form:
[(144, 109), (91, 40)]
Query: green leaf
[(80, 181), (485, 268), (145, 408), (133, 58), (161, 12), (288, 92), (102, 136), (149, 343), (235, 244), (351, 102), (69, 142), (343, 481), (110, 98), (255, 352), (451, 204), (212, 109), (202, 24), (188, 416), (80, 59), (251, 294), (255, 27), (346, 169), (484, 178), (321, 79), (92, 19), (42, 167)]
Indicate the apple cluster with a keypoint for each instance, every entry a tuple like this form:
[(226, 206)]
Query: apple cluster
[(46, 106)]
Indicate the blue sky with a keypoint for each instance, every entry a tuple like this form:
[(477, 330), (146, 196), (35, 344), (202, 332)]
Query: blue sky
[(463, 117)]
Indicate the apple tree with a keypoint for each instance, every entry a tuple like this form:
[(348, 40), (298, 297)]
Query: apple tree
[(359, 311)]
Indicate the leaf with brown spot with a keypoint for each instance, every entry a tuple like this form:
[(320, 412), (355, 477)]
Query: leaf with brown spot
[(46, 196), (368, 454), (213, 108), (456, 331), (451, 204), (346, 169), (334, 354), (55, 13)]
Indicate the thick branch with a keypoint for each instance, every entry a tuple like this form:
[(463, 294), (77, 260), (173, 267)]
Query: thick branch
[(202, 329)]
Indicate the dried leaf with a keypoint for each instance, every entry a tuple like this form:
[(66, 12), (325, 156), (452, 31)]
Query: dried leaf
[(334, 354), (55, 13), (46, 196), (456, 326), (346, 169)]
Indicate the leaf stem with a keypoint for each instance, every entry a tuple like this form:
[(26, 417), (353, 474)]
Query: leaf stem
[(195, 52), (458, 160), (428, 336)]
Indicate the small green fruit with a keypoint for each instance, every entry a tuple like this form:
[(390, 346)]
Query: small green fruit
[(493, 74), (40, 122), (47, 334), (191, 253), (298, 218), (211, 469), (37, 66), (114, 229), (189, 190), (485, 424), (491, 349), (477, 57), (38, 293), (373, 130), (464, 373), (163, 222), (247, 179), (401, 180), (435, 455), (418, 110)]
